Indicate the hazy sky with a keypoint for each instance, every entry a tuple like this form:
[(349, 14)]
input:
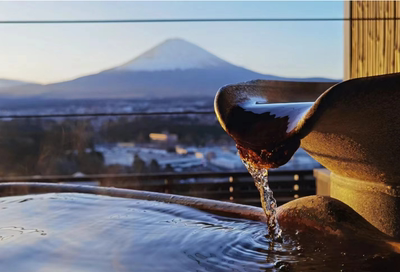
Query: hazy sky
[(49, 53)]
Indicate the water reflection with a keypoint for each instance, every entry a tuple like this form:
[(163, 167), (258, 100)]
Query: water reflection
[(78, 232)]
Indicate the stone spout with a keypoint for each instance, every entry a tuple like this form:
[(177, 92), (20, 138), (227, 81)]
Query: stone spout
[(353, 129)]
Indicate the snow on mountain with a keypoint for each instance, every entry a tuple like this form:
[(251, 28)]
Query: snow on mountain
[(174, 68), (174, 54)]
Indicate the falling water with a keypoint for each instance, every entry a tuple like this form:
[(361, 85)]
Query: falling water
[(268, 202)]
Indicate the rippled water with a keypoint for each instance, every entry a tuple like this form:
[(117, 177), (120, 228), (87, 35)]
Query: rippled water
[(79, 232)]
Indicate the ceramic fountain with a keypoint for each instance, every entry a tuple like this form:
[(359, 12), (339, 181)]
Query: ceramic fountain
[(353, 129)]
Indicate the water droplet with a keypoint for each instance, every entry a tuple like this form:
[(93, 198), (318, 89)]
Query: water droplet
[(285, 267), (282, 266)]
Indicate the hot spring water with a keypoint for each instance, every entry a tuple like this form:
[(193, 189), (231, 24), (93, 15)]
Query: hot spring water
[(268, 202), (81, 232)]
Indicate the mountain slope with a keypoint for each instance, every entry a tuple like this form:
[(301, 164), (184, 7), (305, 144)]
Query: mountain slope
[(189, 82), (171, 69), (17, 88), (6, 83)]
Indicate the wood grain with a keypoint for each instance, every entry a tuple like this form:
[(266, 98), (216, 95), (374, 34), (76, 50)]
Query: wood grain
[(375, 44)]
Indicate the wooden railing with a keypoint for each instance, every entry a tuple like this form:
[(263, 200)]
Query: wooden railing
[(235, 187)]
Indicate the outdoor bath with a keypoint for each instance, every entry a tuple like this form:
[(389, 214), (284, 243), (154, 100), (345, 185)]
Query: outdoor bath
[(199, 136), (54, 227), (49, 227)]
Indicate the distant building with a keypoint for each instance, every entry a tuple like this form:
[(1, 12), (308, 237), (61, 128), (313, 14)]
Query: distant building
[(78, 174), (199, 155), (181, 163), (180, 150), (164, 137), (227, 163), (158, 137), (211, 155), (126, 144)]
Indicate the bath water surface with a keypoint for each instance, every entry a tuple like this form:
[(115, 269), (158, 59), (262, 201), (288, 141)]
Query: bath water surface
[(80, 232)]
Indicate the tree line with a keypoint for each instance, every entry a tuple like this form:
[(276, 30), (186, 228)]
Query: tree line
[(48, 147)]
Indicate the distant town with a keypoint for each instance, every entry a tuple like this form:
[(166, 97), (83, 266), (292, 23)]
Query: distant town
[(119, 144)]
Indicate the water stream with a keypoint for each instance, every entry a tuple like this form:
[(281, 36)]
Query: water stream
[(268, 202), (266, 137)]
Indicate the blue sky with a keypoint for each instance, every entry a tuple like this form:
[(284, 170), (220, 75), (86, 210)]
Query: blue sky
[(51, 53)]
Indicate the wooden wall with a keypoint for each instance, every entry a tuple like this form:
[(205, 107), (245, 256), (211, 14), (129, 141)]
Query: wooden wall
[(374, 45)]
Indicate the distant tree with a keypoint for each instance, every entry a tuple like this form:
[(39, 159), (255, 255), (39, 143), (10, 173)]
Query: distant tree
[(154, 167), (139, 165), (90, 163), (171, 149), (142, 138), (168, 168)]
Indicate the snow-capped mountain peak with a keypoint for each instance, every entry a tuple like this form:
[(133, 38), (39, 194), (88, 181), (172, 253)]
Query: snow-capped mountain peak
[(174, 54), (174, 68)]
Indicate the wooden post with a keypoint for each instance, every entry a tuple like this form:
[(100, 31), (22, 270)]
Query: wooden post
[(167, 186), (371, 47)]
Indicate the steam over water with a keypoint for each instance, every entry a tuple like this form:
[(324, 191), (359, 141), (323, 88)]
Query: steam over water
[(79, 232)]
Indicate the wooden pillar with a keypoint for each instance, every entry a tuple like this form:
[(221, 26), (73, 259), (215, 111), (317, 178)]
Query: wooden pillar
[(372, 47)]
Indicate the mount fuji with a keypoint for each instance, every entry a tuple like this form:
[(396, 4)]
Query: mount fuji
[(174, 68), (174, 54)]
